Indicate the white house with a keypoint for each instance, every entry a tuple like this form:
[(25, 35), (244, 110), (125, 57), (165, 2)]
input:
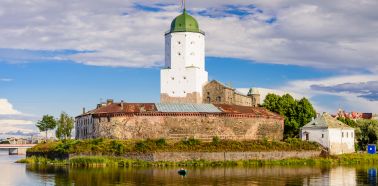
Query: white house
[(331, 133)]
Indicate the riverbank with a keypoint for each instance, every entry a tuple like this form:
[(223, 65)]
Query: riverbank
[(104, 161)]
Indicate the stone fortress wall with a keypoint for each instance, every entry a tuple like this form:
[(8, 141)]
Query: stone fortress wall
[(181, 125)]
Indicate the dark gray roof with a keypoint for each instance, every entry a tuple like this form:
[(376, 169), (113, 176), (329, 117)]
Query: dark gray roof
[(172, 107), (325, 121)]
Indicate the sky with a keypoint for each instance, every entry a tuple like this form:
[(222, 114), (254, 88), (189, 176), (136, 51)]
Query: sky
[(65, 55)]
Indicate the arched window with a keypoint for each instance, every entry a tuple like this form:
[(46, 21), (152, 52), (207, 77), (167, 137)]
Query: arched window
[(219, 99), (208, 99)]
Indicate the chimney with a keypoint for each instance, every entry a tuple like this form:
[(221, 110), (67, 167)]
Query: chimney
[(122, 105), (109, 101), (83, 110)]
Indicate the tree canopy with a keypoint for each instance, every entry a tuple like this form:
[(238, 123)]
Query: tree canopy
[(65, 124), (296, 112), (47, 123)]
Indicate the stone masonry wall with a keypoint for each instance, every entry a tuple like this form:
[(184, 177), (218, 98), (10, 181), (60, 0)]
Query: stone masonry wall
[(217, 156), (198, 126), (189, 98)]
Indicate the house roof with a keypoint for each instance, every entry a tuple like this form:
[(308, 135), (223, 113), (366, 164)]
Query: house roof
[(170, 107), (167, 108), (325, 121)]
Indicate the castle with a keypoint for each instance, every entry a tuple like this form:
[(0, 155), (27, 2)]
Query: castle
[(190, 105)]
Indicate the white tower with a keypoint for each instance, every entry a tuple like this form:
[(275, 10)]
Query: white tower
[(184, 75)]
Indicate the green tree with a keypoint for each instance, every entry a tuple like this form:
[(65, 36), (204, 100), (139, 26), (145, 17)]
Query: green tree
[(366, 132), (296, 113), (65, 124), (47, 123)]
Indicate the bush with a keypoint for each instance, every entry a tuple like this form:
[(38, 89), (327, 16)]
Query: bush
[(216, 140)]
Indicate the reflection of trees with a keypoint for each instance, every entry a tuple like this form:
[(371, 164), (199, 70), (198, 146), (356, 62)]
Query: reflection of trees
[(165, 176)]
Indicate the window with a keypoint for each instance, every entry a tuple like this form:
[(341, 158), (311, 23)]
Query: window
[(172, 78), (208, 99), (179, 53), (322, 135), (342, 134), (179, 42), (219, 99), (184, 77), (347, 134), (208, 93), (307, 137), (173, 92)]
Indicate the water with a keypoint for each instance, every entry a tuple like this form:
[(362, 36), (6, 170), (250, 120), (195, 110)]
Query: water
[(20, 174)]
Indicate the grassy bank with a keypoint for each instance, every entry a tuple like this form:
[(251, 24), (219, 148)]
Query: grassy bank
[(119, 147), (103, 161)]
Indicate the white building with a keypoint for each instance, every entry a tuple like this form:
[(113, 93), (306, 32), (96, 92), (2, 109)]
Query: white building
[(184, 75), (331, 133)]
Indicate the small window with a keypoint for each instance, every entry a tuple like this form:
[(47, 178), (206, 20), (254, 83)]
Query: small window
[(173, 92), (172, 78), (184, 92), (208, 93), (179, 53), (179, 42), (208, 99), (322, 135), (219, 99), (347, 134), (342, 134), (184, 77)]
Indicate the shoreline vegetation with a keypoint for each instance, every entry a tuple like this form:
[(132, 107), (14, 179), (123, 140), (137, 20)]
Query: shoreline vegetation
[(108, 161), (110, 147)]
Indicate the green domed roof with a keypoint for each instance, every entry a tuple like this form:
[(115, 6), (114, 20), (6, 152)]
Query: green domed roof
[(184, 23)]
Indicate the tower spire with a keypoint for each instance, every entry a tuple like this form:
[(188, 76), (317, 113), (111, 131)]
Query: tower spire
[(183, 4)]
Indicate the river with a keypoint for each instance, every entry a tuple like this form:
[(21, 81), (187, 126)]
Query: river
[(21, 174)]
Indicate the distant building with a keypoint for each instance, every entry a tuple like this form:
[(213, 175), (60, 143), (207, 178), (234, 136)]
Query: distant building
[(218, 93), (18, 141), (331, 133), (353, 115)]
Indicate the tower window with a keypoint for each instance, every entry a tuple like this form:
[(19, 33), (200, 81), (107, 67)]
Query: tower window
[(184, 77), (179, 42), (172, 78), (179, 54)]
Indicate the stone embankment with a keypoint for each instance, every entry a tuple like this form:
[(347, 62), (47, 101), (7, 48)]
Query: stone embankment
[(216, 156)]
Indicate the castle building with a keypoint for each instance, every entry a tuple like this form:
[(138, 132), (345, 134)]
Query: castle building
[(190, 106), (184, 74), (219, 93)]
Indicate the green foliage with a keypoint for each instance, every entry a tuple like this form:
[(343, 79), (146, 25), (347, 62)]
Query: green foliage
[(65, 124), (216, 140), (47, 123), (296, 113), (121, 147), (102, 161), (348, 121)]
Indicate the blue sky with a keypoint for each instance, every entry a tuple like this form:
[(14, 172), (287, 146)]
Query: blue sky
[(53, 61)]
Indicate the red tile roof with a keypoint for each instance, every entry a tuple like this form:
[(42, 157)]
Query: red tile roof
[(141, 108)]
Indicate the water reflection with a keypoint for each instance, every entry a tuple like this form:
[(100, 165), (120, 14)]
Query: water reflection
[(19, 174)]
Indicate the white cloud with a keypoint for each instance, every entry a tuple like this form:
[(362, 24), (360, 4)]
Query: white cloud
[(351, 99), (12, 120), (338, 34), (6, 79), (6, 108)]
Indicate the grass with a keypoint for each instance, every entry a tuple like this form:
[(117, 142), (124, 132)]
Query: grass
[(120, 147), (104, 161)]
